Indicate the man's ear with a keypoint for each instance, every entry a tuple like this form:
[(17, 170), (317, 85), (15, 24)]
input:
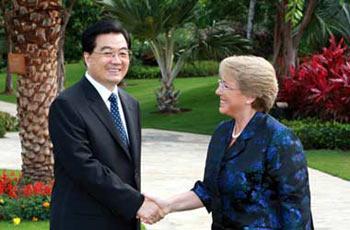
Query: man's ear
[(86, 57)]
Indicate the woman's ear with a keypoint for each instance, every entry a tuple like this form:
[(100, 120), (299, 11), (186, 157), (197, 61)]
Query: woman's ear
[(250, 100)]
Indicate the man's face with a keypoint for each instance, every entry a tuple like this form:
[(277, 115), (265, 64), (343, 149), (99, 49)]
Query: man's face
[(109, 61)]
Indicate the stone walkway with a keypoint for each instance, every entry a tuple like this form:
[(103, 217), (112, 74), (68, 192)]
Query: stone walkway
[(173, 161), (8, 108)]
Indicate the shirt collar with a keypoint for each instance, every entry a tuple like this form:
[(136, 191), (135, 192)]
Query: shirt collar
[(252, 126), (103, 91)]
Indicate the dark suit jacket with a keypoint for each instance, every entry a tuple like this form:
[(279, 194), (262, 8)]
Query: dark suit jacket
[(97, 177), (260, 182)]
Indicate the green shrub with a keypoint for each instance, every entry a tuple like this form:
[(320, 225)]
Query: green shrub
[(316, 134), (200, 69), (27, 208), (9, 122), (195, 69), (2, 130), (143, 72)]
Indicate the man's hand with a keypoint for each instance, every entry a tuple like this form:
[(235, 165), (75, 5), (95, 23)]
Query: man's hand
[(165, 205), (150, 212)]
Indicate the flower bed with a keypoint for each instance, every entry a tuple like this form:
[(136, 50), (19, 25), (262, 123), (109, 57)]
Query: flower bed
[(29, 201)]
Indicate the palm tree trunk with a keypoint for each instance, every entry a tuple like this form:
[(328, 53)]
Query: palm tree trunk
[(37, 25), (60, 67), (286, 41), (167, 96), (60, 56), (8, 84), (7, 18), (251, 14)]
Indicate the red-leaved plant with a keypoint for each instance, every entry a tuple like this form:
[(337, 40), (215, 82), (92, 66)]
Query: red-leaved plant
[(9, 185), (320, 86), (23, 200)]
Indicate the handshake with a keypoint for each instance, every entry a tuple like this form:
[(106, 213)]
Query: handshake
[(153, 209)]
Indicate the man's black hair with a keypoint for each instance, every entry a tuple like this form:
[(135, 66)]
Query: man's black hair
[(102, 27)]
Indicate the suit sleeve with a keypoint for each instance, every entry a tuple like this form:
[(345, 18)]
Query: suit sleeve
[(202, 188), (72, 150), (203, 194), (287, 167)]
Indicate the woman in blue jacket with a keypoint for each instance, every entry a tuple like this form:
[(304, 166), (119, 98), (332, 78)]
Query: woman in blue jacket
[(256, 174)]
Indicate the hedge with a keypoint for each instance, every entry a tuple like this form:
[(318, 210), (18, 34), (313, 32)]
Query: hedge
[(9, 122), (317, 134), (195, 69), (2, 130)]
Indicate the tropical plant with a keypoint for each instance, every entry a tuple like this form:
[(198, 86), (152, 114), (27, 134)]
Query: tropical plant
[(251, 14), (159, 22), (218, 41), (320, 85), (66, 12), (37, 27), (7, 44), (292, 19), (330, 17), (76, 15), (83, 14)]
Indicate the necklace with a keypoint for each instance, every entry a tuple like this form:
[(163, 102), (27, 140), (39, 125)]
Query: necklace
[(235, 136)]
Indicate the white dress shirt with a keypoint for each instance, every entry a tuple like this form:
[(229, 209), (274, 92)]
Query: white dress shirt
[(105, 94)]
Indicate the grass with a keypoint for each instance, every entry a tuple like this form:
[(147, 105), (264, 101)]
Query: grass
[(25, 225), (334, 162), (10, 172), (4, 97), (197, 95)]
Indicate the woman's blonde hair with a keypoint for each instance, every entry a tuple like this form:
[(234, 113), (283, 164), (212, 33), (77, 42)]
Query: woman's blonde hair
[(255, 77)]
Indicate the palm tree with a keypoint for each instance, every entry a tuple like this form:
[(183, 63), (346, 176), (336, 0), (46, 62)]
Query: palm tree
[(288, 33), (330, 17), (251, 14), (36, 27), (6, 14), (158, 21)]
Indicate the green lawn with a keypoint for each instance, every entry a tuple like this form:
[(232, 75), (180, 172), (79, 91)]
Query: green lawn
[(25, 225), (334, 162), (10, 172)]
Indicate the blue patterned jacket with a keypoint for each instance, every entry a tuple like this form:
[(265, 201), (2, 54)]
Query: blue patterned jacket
[(260, 182)]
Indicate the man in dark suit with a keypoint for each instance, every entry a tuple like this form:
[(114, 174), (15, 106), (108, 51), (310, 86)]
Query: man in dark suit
[(96, 134)]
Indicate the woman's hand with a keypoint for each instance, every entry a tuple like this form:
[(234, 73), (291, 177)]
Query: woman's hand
[(163, 204)]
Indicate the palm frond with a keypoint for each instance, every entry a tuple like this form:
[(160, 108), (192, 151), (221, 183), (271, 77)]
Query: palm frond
[(330, 17), (148, 18), (219, 41)]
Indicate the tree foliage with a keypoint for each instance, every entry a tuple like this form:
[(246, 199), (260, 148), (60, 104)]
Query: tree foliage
[(85, 13), (161, 23)]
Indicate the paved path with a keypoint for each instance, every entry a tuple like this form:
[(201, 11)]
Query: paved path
[(8, 108), (173, 161)]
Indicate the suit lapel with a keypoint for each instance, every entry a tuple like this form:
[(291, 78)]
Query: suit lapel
[(100, 110), (131, 116), (220, 153)]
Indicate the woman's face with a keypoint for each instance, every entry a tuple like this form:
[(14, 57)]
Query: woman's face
[(232, 101)]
